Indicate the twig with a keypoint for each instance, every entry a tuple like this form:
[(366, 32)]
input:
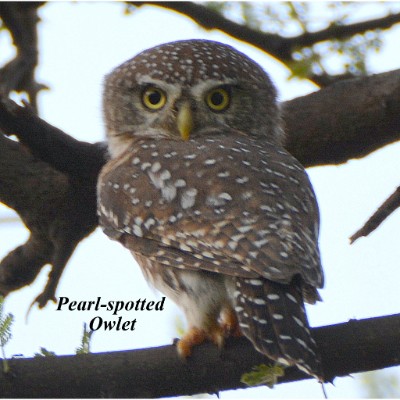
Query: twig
[(389, 206)]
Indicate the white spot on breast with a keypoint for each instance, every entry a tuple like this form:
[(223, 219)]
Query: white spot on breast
[(210, 161), (259, 301), (225, 196), (232, 245), (180, 183), (244, 179), (277, 316), (244, 229), (237, 237), (260, 243), (145, 165), (149, 222), (265, 207), (136, 161), (253, 254), (137, 231), (156, 167), (138, 220), (168, 192), (273, 296), (165, 175), (247, 195), (188, 198)]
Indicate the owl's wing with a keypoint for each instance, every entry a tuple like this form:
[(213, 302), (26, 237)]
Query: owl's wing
[(237, 206)]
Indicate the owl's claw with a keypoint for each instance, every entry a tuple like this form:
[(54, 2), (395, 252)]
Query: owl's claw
[(196, 336), (193, 337), (226, 326)]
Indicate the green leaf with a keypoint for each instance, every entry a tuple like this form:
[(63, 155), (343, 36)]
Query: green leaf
[(263, 375), (45, 353), (5, 324), (84, 348)]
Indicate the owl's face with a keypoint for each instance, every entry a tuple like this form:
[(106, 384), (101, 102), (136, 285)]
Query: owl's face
[(188, 89)]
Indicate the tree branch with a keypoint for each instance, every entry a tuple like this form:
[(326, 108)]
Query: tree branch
[(280, 47), (56, 202), (364, 345), (344, 31), (389, 206), (21, 19), (347, 120)]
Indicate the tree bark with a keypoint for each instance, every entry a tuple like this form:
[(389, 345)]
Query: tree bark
[(346, 120), (347, 348)]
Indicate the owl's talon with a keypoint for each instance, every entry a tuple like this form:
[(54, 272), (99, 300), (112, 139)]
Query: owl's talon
[(193, 337), (217, 336)]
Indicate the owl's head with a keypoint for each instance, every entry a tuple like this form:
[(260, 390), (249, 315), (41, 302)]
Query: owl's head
[(188, 89)]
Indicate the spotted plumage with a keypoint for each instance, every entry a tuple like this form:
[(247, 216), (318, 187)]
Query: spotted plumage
[(218, 215)]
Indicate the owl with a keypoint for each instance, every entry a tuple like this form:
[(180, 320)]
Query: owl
[(218, 215)]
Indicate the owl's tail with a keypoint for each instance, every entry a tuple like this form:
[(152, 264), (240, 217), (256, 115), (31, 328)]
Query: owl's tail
[(272, 316)]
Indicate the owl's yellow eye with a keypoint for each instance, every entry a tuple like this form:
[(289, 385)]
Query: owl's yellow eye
[(218, 99), (154, 98)]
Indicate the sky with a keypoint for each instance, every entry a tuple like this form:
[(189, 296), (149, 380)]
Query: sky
[(79, 44)]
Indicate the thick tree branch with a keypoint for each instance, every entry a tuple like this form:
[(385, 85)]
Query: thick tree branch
[(347, 348), (57, 201), (49, 178), (347, 120)]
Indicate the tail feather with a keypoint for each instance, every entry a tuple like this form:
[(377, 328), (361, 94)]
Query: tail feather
[(272, 316)]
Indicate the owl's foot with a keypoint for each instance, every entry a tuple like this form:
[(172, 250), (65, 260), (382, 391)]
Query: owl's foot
[(226, 326), (193, 337), (196, 336)]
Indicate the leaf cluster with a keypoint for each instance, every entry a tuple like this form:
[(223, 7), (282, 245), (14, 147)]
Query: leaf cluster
[(341, 55), (5, 324)]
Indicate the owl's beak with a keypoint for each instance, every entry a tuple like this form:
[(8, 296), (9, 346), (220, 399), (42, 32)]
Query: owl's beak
[(184, 120)]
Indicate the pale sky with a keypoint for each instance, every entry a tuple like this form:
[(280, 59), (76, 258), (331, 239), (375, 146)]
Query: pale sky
[(79, 44)]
